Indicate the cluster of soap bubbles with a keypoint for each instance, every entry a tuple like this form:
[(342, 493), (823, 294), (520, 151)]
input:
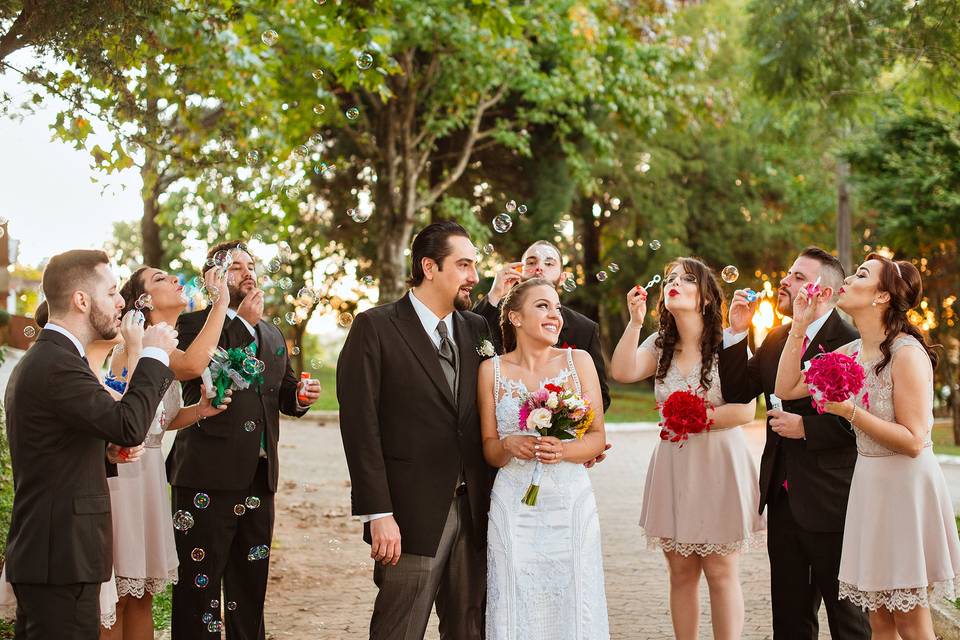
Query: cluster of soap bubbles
[(259, 552)]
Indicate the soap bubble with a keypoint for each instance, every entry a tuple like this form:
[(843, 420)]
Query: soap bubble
[(364, 61), (367, 280), (358, 215), (511, 206), (207, 618), (201, 501), (569, 284), (231, 606), (239, 509), (502, 223), (253, 158), (319, 108), (285, 283), (352, 113), (198, 554), (345, 319), (522, 209), (269, 37), (183, 520), (252, 502), (215, 627), (654, 244), (201, 580), (613, 267), (249, 426), (602, 276), (730, 274), (29, 331), (317, 74)]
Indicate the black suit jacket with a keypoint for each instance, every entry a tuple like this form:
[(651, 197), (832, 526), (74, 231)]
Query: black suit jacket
[(818, 468), (579, 332), (59, 419), (404, 436), (218, 453)]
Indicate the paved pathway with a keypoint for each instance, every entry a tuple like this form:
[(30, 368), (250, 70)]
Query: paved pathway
[(321, 583)]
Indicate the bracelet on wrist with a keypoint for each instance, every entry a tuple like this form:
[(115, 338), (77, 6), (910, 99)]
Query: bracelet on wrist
[(853, 415)]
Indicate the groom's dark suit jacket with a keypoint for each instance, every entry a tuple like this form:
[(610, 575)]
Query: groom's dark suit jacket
[(59, 419), (818, 469), (405, 437), (578, 332), (218, 453)]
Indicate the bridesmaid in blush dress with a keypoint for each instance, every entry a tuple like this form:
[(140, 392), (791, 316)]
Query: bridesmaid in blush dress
[(699, 500), (900, 545)]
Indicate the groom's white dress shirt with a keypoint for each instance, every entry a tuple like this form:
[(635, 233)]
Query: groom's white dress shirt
[(429, 320), (150, 352)]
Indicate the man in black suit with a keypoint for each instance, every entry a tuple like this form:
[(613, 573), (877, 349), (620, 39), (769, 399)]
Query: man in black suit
[(407, 386), (224, 469), (59, 421), (542, 260), (807, 461)]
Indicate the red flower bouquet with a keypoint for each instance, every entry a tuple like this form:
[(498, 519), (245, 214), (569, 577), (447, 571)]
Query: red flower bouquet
[(684, 412), (835, 377)]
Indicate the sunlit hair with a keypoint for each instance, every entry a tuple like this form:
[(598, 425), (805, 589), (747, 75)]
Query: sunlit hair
[(711, 307), (513, 301), (902, 281)]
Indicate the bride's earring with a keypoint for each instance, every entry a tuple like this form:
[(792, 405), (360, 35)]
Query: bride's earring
[(873, 304)]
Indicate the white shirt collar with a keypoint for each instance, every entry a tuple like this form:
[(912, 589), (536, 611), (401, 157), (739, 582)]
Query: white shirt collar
[(73, 338), (429, 320), (231, 313), (814, 327)]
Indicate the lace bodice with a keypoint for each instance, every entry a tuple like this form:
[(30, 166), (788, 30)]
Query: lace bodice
[(879, 389), (510, 394), (675, 380), (167, 410)]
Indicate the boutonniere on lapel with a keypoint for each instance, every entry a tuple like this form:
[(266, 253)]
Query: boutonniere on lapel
[(485, 348)]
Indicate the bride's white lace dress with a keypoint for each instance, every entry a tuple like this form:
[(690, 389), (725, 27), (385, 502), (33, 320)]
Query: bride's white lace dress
[(544, 563)]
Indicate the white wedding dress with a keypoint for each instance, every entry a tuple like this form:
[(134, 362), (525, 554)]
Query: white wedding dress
[(544, 564)]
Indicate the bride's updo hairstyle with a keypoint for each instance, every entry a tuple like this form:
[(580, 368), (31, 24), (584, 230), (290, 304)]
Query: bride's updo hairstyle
[(131, 291), (902, 281), (513, 301)]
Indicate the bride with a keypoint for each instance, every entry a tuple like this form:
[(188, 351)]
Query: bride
[(544, 565)]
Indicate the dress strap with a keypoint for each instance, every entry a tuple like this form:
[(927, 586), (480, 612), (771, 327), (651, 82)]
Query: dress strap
[(573, 370), (496, 378)]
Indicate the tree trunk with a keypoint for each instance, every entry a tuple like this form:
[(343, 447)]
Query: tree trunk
[(149, 229), (844, 221), (953, 379), (393, 263), (589, 304)]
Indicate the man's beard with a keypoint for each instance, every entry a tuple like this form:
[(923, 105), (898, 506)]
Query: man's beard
[(104, 324), (462, 303), (236, 295), (786, 309)]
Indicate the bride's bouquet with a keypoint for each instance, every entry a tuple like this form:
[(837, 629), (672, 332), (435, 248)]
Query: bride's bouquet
[(684, 412), (835, 377), (557, 412)]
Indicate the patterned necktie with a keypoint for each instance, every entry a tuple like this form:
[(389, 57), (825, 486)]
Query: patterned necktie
[(448, 357), (806, 343)]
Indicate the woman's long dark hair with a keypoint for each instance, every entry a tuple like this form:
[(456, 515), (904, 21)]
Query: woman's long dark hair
[(513, 301), (711, 307), (131, 291), (906, 291)]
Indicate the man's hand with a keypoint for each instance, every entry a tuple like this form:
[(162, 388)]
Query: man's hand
[(122, 455), (308, 390), (161, 336), (741, 311), (251, 309), (599, 458), (787, 425), (506, 278), (385, 538)]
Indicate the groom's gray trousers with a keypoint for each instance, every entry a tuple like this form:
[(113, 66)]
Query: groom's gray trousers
[(456, 578)]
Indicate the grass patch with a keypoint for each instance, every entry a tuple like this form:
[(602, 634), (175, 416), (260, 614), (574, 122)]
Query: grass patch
[(942, 436), (328, 389), (162, 604), (632, 403), (6, 630)]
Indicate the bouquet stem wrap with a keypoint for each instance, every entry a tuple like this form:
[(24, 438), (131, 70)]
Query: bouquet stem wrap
[(227, 371), (530, 496)]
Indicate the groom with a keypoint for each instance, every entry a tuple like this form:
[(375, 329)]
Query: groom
[(807, 461), (407, 388)]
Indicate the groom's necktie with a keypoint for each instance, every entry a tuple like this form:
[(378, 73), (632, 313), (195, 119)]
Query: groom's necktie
[(448, 358)]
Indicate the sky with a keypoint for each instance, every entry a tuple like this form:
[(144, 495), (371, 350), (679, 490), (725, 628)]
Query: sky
[(45, 187)]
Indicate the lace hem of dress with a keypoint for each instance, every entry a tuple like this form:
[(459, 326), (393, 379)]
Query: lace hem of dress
[(900, 599), (108, 620), (136, 587), (754, 541)]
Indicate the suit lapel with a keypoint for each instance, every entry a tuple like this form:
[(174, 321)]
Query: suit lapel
[(412, 332), (826, 337), (469, 361)]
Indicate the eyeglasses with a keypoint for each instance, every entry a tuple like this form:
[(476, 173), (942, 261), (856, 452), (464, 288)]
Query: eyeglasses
[(686, 277)]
